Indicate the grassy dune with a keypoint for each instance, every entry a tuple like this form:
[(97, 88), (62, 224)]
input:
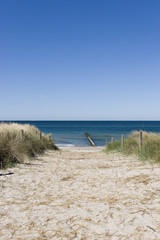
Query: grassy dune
[(19, 142), (150, 149)]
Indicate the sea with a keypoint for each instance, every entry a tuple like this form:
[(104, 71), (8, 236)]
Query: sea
[(72, 133)]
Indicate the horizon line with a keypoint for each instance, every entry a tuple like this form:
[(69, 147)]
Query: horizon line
[(38, 120)]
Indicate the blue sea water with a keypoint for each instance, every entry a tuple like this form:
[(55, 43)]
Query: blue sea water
[(71, 133)]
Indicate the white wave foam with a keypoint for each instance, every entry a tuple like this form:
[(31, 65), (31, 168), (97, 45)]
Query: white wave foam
[(65, 145)]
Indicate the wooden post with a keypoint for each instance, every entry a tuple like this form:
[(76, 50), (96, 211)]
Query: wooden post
[(106, 142), (112, 140), (22, 133), (122, 141), (140, 140), (50, 138), (89, 139), (40, 135)]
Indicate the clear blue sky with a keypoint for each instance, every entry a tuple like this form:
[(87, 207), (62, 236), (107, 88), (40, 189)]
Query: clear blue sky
[(80, 59)]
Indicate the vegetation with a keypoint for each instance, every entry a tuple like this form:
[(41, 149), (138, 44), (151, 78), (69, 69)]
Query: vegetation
[(18, 142), (150, 149)]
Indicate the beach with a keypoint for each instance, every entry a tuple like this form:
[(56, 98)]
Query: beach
[(80, 193)]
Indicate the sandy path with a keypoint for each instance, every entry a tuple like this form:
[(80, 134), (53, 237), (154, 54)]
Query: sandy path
[(81, 193)]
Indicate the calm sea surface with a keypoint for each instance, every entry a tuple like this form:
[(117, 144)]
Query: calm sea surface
[(72, 132)]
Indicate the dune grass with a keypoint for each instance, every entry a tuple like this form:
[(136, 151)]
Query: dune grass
[(19, 142), (150, 148)]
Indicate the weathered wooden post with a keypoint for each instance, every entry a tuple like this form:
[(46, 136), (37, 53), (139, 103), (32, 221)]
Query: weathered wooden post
[(112, 140), (122, 141), (106, 142), (40, 135), (50, 138), (22, 133), (89, 139), (140, 140)]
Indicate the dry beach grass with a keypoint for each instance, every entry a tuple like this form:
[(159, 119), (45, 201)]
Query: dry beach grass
[(150, 149), (21, 141), (81, 194)]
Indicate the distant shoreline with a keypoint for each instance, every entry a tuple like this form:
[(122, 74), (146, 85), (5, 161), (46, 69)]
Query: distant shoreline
[(72, 132)]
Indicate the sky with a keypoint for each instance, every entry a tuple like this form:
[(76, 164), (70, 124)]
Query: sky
[(79, 60)]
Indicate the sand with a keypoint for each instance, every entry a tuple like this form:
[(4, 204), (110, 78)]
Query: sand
[(81, 194)]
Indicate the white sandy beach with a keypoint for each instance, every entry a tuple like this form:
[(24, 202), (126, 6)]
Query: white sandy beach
[(81, 194)]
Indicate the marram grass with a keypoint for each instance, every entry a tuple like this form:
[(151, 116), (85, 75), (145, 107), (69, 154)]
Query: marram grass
[(17, 145), (150, 149)]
